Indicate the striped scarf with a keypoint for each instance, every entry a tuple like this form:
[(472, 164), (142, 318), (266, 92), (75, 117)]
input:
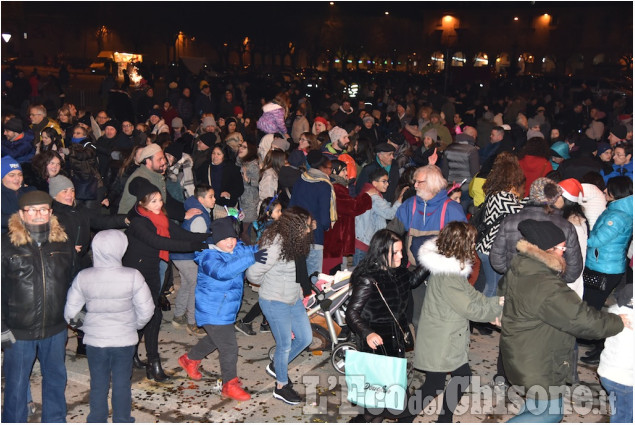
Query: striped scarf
[(313, 176)]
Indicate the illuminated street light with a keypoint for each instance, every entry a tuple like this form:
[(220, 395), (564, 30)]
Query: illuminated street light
[(515, 18), (332, 3), (448, 18), (386, 13), (6, 37)]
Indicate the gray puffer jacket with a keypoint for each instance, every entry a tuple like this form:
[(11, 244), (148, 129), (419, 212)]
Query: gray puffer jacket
[(117, 299), (276, 277), (504, 247)]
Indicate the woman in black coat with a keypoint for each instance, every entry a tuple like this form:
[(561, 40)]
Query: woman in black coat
[(223, 175), (151, 236), (368, 315)]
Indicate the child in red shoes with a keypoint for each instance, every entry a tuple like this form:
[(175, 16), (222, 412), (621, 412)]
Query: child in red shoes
[(219, 292)]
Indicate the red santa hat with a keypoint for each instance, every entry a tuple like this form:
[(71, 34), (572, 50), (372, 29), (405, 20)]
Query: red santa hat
[(572, 190)]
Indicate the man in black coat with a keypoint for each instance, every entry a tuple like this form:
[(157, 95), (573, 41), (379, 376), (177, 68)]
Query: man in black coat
[(38, 265)]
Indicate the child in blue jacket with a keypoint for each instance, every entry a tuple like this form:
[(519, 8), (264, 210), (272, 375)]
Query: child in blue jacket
[(219, 293)]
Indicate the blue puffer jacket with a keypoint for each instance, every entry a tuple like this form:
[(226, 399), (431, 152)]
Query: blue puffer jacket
[(219, 285), (192, 202), (609, 239)]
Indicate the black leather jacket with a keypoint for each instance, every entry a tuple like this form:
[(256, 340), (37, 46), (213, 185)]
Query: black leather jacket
[(35, 281), (367, 313)]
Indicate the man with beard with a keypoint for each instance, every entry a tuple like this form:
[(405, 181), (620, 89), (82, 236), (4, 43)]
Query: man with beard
[(152, 168)]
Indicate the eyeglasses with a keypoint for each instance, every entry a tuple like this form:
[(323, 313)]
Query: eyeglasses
[(561, 248), (419, 182), (32, 211)]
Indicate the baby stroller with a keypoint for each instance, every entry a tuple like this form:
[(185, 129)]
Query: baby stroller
[(326, 308)]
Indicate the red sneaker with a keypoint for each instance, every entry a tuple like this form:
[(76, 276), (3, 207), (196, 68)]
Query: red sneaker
[(191, 367), (233, 389)]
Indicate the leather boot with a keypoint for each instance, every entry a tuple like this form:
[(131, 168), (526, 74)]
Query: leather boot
[(155, 371), (136, 361)]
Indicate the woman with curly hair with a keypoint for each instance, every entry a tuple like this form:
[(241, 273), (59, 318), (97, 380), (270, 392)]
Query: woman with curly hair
[(442, 345), (504, 189), (283, 281), (534, 160)]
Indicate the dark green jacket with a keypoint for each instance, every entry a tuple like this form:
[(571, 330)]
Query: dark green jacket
[(542, 317)]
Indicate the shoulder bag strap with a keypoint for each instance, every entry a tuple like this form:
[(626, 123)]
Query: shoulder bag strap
[(391, 313)]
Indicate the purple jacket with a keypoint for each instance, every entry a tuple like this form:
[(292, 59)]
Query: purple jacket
[(272, 119)]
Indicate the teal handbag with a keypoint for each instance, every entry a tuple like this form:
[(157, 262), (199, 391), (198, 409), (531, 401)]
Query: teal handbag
[(376, 381)]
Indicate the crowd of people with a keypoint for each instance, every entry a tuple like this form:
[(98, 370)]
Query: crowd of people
[(516, 210)]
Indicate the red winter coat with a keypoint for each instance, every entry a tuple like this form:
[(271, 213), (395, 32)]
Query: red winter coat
[(339, 241)]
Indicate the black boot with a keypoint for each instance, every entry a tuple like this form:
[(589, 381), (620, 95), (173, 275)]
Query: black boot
[(81, 347), (593, 356), (136, 361), (155, 371)]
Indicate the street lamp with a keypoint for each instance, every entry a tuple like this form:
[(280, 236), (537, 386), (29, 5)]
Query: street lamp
[(6, 37)]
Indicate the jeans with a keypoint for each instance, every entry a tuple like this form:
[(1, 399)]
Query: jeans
[(314, 259), (163, 267), (491, 276), (106, 363), (18, 362), (541, 411), (184, 302), (622, 410), (223, 338), (283, 320), (358, 256)]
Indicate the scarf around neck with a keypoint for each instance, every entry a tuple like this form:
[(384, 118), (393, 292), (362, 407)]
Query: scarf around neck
[(314, 175), (160, 221)]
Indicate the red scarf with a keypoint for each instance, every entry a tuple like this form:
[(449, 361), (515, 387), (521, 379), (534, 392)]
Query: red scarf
[(160, 221)]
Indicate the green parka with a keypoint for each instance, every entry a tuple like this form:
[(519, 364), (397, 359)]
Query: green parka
[(542, 317), (443, 336)]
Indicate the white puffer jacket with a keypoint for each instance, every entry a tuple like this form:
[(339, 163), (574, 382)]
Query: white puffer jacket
[(616, 360), (118, 300)]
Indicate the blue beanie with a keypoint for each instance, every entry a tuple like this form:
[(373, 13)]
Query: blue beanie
[(9, 164)]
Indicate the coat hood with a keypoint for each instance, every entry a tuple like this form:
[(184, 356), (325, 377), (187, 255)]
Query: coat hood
[(268, 107), (193, 202), (109, 246), (552, 261), (430, 258)]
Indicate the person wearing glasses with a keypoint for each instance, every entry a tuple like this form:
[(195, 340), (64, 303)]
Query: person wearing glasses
[(39, 121), (38, 266), (622, 162)]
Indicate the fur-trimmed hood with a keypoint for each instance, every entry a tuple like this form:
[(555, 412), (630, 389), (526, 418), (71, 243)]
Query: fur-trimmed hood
[(554, 262), (430, 258), (20, 236)]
